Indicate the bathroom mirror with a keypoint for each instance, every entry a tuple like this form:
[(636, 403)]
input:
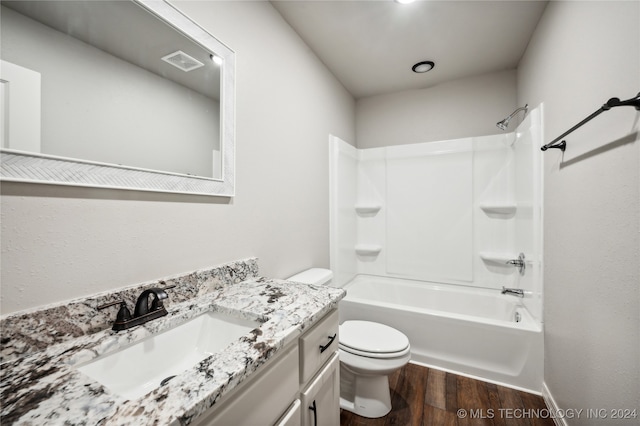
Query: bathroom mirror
[(115, 94)]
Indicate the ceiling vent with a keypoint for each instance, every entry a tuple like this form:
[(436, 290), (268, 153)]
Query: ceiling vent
[(182, 61)]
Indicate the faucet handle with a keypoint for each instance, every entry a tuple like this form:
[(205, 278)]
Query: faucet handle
[(518, 263), (106, 305), (123, 313)]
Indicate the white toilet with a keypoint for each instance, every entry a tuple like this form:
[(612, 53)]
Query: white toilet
[(369, 352)]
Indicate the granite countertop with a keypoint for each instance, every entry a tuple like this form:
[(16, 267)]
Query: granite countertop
[(44, 387)]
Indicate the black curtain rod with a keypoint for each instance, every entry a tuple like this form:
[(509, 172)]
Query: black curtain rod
[(611, 103)]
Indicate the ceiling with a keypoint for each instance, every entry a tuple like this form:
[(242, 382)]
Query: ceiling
[(371, 45)]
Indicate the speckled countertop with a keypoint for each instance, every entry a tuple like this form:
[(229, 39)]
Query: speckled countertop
[(43, 387)]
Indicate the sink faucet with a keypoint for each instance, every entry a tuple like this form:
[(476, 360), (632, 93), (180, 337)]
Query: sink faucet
[(518, 292), (142, 305), (143, 312)]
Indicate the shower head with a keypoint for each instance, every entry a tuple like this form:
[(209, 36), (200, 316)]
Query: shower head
[(503, 124)]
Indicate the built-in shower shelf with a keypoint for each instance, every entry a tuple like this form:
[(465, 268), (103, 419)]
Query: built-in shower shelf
[(499, 208), (368, 249), (497, 258), (368, 209)]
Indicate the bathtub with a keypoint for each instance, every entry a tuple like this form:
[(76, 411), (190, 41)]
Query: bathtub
[(479, 333)]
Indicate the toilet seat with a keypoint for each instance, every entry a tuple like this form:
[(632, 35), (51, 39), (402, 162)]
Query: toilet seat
[(375, 355), (372, 340)]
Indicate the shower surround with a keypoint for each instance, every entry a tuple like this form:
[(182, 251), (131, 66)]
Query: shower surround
[(449, 214)]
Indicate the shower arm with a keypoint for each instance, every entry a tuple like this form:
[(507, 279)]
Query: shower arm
[(525, 108), (502, 124), (611, 103)]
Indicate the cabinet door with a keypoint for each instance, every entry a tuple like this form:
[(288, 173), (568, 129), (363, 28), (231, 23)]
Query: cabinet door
[(321, 399), (292, 416)]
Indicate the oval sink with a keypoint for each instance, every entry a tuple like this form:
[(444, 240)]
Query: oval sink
[(138, 369)]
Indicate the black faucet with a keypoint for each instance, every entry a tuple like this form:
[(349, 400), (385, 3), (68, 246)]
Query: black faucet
[(143, 312), (142, 305)]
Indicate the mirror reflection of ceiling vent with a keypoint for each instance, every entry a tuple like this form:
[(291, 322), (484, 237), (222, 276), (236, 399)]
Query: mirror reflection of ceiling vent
[(182, 61)]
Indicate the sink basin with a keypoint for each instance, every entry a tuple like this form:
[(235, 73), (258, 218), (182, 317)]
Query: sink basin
[(138, 369)]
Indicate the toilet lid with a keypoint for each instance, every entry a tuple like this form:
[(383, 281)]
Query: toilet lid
[(372, 337)]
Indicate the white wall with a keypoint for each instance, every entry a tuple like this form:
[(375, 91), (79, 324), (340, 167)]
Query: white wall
[(462, 108), (98, 107), (582, 54), (61, 242), (426, 225)]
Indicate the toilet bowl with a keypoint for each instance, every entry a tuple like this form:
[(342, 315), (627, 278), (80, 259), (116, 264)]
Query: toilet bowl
[(369, 352)]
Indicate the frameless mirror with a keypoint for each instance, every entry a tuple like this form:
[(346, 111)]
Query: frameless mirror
[(120, 94)]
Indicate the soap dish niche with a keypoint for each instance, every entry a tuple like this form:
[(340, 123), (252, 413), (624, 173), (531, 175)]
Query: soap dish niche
[(368, 249), (499, 209), (368, 209)]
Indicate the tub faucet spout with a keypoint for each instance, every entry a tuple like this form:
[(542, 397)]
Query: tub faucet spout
[(518, 292)]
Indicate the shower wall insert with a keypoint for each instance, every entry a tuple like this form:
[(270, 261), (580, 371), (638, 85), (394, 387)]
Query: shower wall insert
[(447, 215)]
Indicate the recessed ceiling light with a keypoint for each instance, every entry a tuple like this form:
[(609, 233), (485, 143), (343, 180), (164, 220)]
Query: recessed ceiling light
[(405, 1), (423, 66)]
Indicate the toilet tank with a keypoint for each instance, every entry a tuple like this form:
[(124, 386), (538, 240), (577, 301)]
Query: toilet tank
[(317, 276)]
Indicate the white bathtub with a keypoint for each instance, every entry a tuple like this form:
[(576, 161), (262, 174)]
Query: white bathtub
[(475, 332)]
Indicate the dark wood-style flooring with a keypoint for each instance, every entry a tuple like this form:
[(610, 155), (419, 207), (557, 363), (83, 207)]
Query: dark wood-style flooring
[(423, 396)]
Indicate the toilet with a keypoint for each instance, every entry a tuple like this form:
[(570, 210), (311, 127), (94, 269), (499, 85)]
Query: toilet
[(369, 353)]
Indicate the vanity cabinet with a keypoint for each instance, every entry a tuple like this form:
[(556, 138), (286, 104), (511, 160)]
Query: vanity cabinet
[(299, 387), (260, 400), (319, 373)]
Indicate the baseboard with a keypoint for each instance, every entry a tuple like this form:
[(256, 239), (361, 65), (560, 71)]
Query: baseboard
[(551, 405)]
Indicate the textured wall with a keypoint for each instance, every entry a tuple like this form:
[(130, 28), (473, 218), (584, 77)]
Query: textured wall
[(582, 54), (457, 109), (63, 242)]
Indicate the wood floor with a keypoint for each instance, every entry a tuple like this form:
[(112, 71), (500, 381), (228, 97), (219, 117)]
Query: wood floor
[(422, 396)]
